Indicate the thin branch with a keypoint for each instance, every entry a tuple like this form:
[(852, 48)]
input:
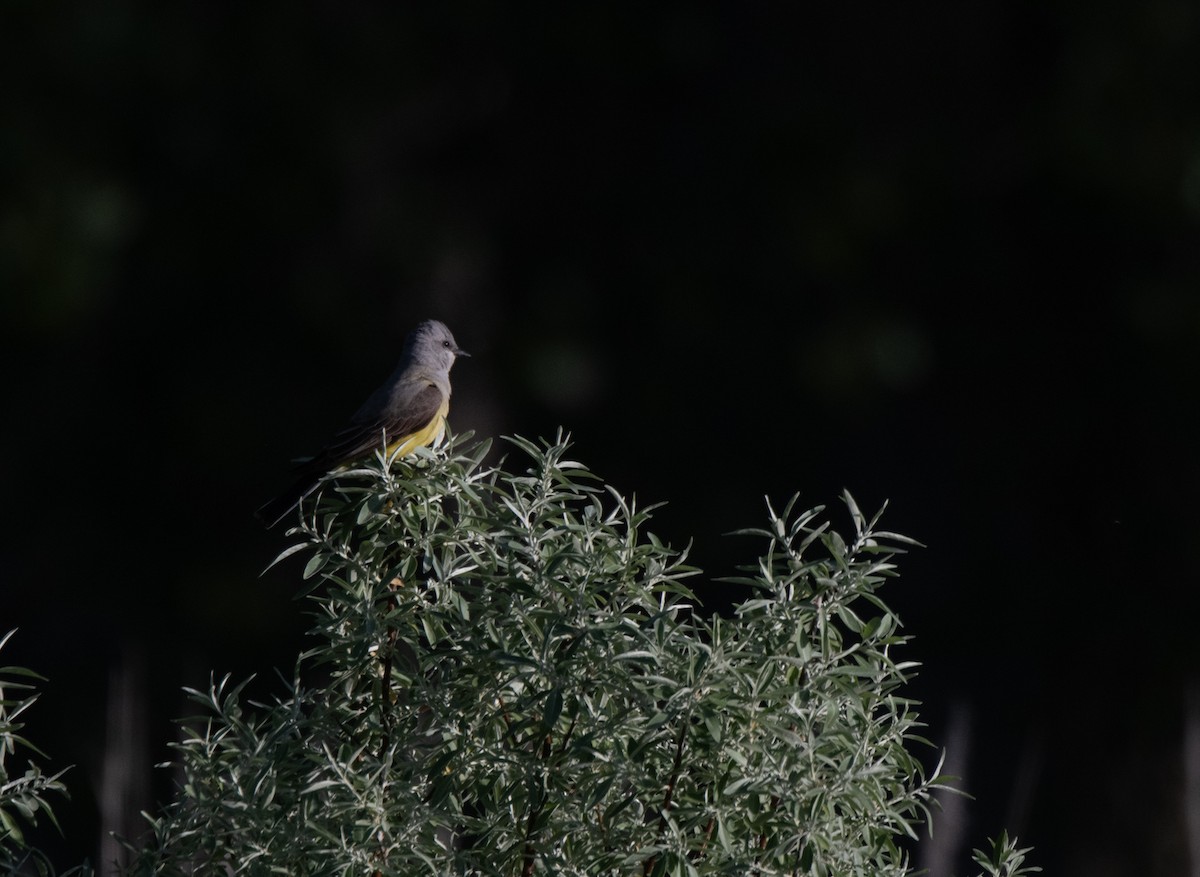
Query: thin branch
[(670, 792), (530, 855), (385, 684), (567, 737)]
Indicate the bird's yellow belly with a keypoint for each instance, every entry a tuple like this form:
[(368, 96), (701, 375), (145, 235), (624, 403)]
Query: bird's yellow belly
[(428, 435)]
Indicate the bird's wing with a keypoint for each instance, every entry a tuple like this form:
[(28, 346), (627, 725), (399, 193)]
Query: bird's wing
[(366, 434)]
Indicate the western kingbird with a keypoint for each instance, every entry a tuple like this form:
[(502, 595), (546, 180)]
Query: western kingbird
[(406, 413)]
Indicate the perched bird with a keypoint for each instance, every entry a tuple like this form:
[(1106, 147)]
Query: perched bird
[(406, 413)]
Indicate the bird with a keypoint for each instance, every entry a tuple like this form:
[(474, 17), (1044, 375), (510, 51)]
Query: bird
[(407, 412)]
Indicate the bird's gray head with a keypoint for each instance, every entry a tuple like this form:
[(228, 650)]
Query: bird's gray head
[(432, 345)]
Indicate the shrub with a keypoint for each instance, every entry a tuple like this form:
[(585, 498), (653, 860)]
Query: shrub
[(510, 677)]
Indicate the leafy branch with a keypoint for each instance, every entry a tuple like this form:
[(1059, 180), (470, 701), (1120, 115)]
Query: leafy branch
[(23, 793)]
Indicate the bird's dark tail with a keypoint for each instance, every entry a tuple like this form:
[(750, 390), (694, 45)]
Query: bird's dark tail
[(275, 510)]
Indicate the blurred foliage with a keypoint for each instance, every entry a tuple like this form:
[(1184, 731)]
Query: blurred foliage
[(510, 677)]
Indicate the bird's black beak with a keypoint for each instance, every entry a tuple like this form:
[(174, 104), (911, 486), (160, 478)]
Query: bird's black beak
[(458, 351)]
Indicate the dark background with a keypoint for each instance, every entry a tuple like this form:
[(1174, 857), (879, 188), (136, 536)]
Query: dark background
[(940, 254)]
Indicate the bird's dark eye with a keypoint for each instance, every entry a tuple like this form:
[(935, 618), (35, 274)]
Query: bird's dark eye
[(446, 344)]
